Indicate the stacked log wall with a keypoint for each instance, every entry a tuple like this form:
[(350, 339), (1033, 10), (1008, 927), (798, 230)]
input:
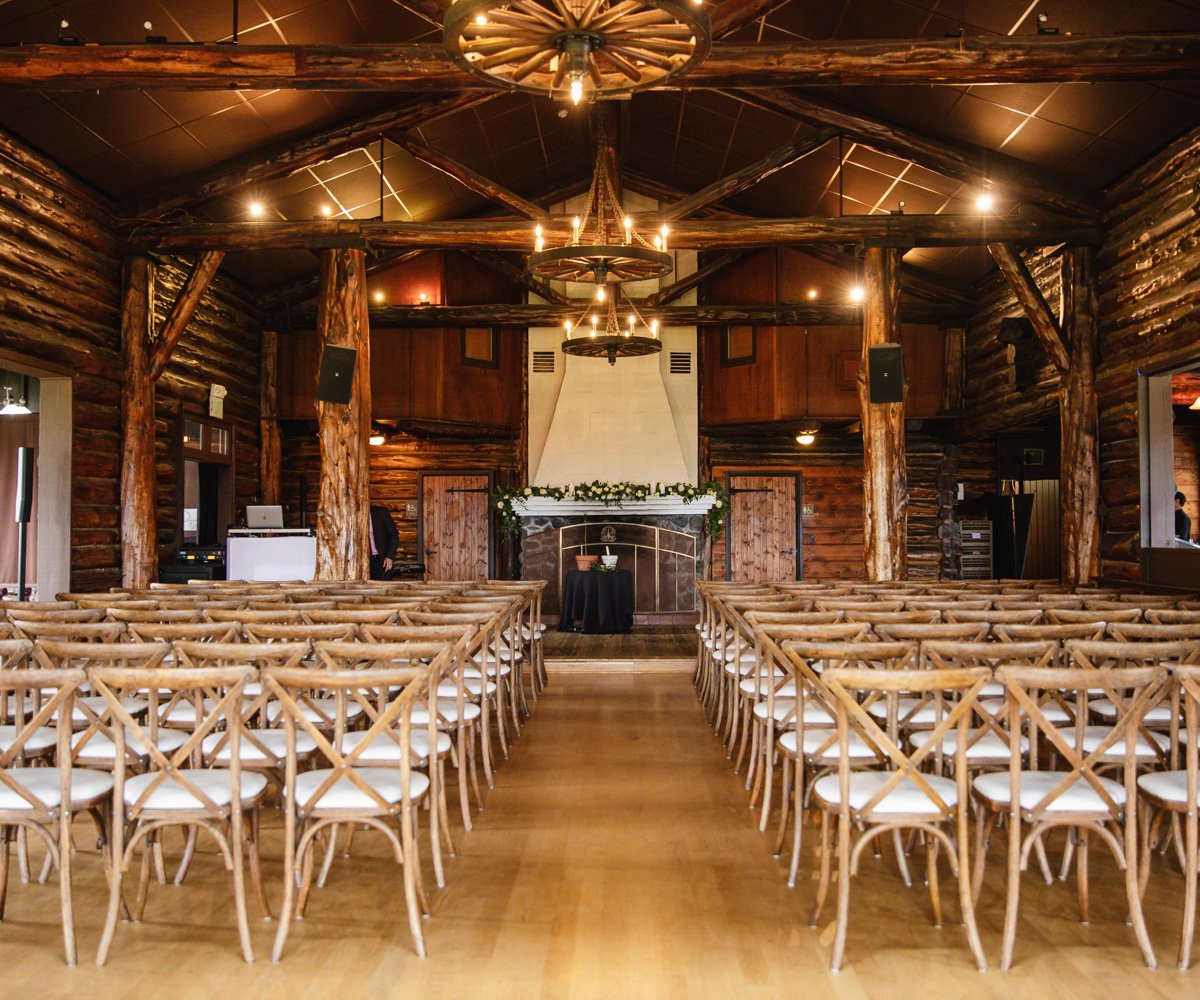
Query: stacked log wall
[(60, 310)]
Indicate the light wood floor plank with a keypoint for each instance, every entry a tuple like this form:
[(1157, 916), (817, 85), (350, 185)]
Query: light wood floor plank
[(617, 858)]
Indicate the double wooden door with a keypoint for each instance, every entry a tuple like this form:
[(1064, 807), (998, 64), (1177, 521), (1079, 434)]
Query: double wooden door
[(455, 539), (763, 540)]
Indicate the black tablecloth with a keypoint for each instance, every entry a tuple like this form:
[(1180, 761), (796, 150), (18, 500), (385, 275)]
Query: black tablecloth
[(600, 602)]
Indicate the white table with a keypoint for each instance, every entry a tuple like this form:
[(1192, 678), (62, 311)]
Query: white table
[(269, 555)]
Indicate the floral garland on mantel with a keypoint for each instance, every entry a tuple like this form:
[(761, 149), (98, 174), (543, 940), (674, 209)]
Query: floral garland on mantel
[(609, 494)]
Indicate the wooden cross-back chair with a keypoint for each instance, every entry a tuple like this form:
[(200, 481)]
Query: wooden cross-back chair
[(457, 710), (191, 616), (1114, 613), (1074, 794), (897, 794), (278, 616), (359, 615), (1054, 633), (192, 631), (80, 615), (533, 628), (70, 631), (953, 613), (1173, 793), (1152, 631), (428, 745), (42, 801), (1151, 653), (913, 632), (352, 788), (298, 631), (186, 787), (463, 715)]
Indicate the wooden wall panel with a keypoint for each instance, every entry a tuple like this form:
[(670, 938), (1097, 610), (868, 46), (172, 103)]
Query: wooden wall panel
[(749, 281), (742, 393), (801, 273), (833, 358)]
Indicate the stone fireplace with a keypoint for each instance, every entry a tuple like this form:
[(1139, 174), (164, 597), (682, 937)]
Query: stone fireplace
[(660, 545)]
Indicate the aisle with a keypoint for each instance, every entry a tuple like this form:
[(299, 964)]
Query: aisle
[(616, 859)]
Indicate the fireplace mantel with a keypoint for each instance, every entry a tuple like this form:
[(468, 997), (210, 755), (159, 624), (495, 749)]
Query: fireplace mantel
[(652, 506)]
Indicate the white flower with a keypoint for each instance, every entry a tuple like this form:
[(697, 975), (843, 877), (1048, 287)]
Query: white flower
[(499, 505), (528, 492)]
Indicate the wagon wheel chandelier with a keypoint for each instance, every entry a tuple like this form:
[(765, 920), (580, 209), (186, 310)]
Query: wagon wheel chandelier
[(614, 342), (584, 48), (604, 247)]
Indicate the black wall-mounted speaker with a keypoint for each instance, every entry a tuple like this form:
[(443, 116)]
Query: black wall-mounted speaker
[(885, 373), (336, 378), (24, 506)]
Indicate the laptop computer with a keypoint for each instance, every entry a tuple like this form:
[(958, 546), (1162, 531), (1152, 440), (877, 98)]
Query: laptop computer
[(269, 516)]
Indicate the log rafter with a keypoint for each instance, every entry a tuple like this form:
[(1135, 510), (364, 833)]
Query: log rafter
[(197, 283), (472, 180), (750, 175), (426, 67), (961, 161), (1032, 303), (473, 234)]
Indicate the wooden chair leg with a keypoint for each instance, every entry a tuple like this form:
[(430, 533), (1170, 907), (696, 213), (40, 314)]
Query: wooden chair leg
[(931, 879), (843, 901), (1189, 891), (826, 864), (330, 849), (64, 888), (256, 876), (189, 852), (143, 889), (798, 786), (785, 802), (408, 843), (4, 861), (1081, 875), (239, 883), (115, 901), (1131, 888), (1012, 900), (287, 905)]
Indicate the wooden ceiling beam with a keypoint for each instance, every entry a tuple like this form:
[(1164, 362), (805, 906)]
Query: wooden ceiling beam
[(503, 314), (472, 180), (303, 289), (194, 286), (960, 161), (750, 174), (734, 14), (1032, 303), (914, 280), (425, 66), (697, 234), (246, 171)]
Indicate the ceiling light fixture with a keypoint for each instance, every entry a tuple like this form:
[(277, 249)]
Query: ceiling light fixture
[(985, 202), (13, 407), (577, 48), (807, 433), (605, 246), (616, 341), (856, 293), (375, 440)]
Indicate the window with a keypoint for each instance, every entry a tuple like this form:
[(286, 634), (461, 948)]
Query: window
[(206, 481), (481, 346), (737, 345)]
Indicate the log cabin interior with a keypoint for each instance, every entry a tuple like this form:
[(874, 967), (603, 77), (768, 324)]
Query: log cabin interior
[(887, 301)]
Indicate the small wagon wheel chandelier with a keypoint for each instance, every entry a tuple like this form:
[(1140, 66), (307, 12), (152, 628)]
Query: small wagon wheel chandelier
[(614, 342), (581, 48)]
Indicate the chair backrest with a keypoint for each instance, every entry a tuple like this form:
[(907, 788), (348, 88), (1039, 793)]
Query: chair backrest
[(1054, 633), (1151, 632), (951, 694), (767, 618), (280, 616), (157, 615), (914, 632), (173, 632), (40, 699), (1134, 690), (941, 654), (937, 603), (852, 606), (1163, 616), (357, 615), (1148, 600), (1113, 613), (1107, 653), (298, 632), (71, 631), (80, 615), (952, 613), (216, 694)]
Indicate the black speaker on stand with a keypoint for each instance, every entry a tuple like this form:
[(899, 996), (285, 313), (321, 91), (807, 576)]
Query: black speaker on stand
[(885, 373), (23, 512)]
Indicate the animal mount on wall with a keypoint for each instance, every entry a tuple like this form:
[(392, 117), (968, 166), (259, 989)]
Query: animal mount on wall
[(1028, 355)]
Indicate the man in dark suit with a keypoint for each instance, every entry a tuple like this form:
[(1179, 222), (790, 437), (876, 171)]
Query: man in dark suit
[(1183, 523), (384, 539)]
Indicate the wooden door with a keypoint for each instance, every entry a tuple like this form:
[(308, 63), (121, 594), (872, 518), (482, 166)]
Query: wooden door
[(764, 537), (455, 526)]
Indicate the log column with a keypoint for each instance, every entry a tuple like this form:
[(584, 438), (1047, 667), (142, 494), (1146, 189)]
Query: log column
[(343, 546), (885, 481), (1078, 415), (270, 453), (139, 554)]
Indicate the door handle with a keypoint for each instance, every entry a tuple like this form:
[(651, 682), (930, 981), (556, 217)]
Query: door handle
[(431, 552), (788, 552)]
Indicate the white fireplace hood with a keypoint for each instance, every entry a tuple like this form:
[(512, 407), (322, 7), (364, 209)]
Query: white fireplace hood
[(613, 423)]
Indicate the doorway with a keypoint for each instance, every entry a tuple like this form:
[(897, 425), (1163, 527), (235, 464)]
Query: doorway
[(455, 527), (764, 538)]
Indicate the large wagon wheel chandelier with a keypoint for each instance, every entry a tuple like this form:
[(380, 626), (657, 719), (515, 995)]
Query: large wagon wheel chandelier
[(584, 339), (584, 48), (605, 247)]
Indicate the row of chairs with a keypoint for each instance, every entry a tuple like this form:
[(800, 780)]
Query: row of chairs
[(764, 673), (165, 724)]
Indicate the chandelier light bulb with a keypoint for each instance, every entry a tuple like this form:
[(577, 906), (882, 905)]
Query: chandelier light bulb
[(812, 293), (567, 327), (599, 293), (984, 202), (593, 319), (628, 229), (256, 209), (654, 328), (664, 237), (576, 89)]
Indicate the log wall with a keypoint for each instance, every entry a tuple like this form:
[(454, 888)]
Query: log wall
[(59, 309)]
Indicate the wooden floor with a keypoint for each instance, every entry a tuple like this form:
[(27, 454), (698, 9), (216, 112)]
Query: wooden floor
[(616, 859), (645, 642)]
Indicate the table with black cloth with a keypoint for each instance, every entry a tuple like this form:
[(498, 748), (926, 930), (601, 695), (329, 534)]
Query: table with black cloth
[(602, 602)]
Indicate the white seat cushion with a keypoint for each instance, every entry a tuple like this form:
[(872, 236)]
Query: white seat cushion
[(214, 783), (1105, 709), (907, 712), (505, 670), (100, 747), (45, 785), (1170, 786), (312, 709), (1035, 785), (1093, 736), (761, 686), (447, 710), (990, 746), (345, 794), (906, 797), (275, 741), (96, 702), (1054, 712), (814, 714), (815, 739), (43, 738), (384, 748)]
